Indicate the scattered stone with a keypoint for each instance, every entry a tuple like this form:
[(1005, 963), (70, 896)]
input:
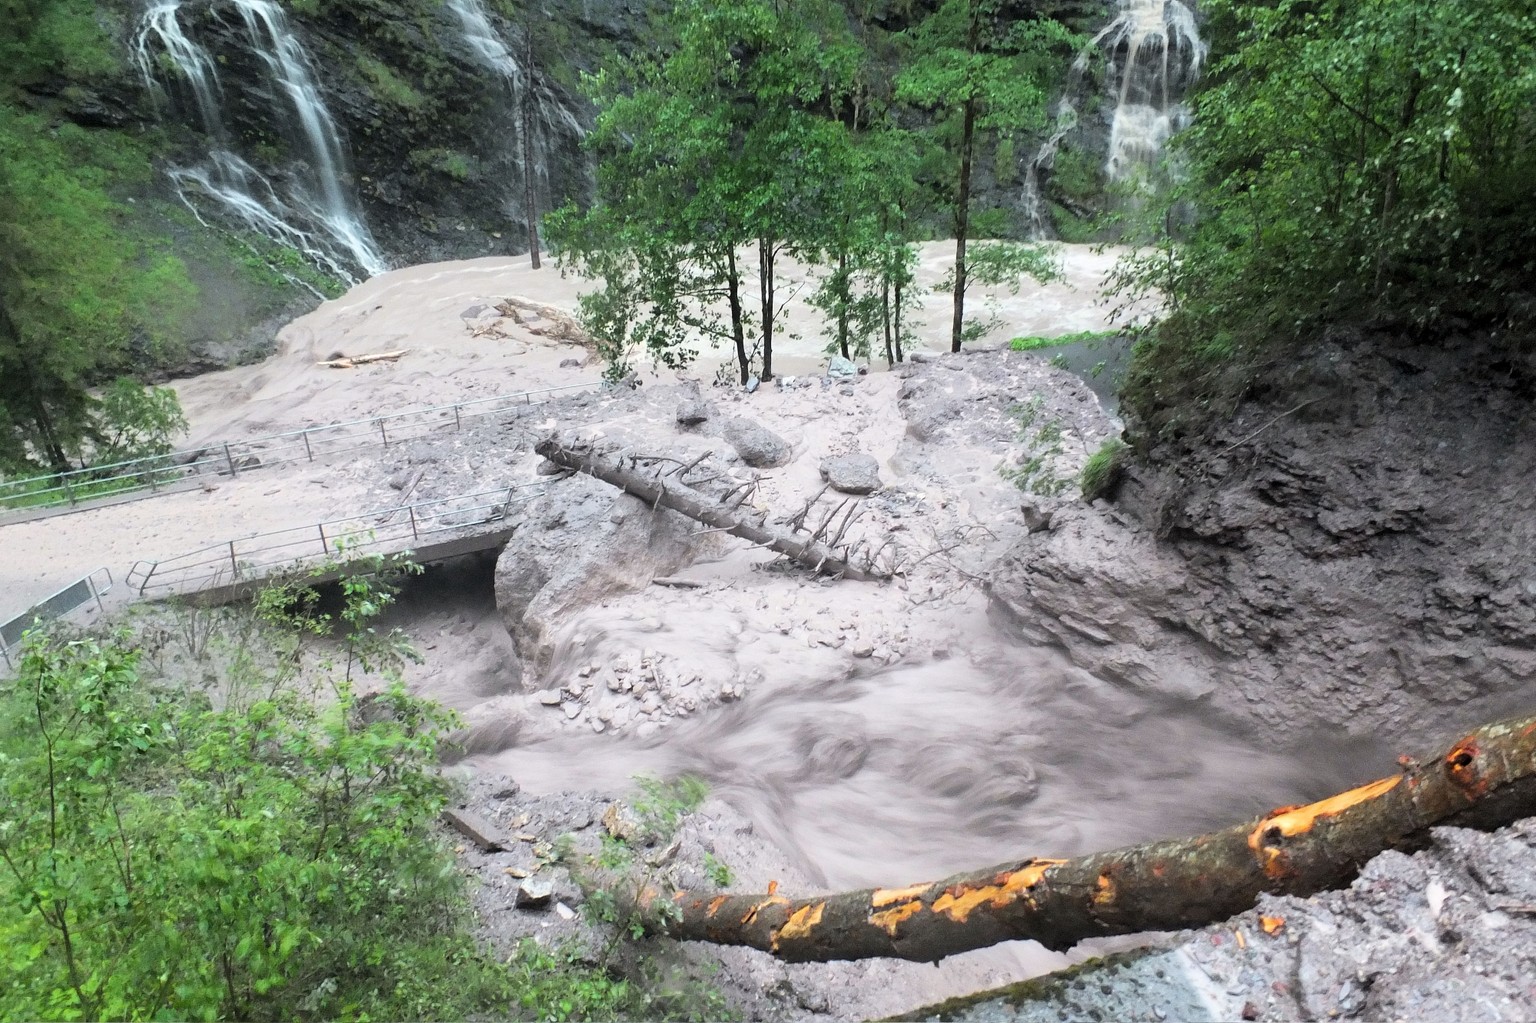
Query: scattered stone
[(757, 445), (477, 829), (692, 412), (619, 822), (544, 468), (852, 474), (550, 697), (864, 648), (753, 383), (841, 367), (534, 893), (846, 392), (505, 788), (570, 363), (1037, 514), (572, 710), (517, 872), (564, 912), (597, 725)]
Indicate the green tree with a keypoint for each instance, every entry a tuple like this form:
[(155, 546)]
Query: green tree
[(1348, 162), (722, 142), (983, 72), (80, 296)]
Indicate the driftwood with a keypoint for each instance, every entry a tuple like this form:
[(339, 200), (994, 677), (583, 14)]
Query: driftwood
[(638, 475), (1486, 780), (349, 361)]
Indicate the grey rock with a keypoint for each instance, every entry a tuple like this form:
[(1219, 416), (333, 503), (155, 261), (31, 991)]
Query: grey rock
[(534, 893), (570, 363), (1038, 514), (757, 445), (753, 383), (852, 474), (692, 412), (841, 367)]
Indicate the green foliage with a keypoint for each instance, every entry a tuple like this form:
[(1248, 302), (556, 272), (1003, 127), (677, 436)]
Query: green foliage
[(456, 165), (1348, 161), (1042, 444), (1103, 470), (1035, 344), (134, 421), (387, 86), (78, 294)]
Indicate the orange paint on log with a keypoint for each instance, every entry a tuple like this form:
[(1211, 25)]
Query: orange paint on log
[(959, 901), (1461, 764), (1106, 891), (800, 924), (771, 900), (886, 896), (1289, 821), (890, 919), (716, 903)]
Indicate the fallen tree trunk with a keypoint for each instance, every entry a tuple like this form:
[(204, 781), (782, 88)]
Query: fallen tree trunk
[(671, 492), (1486, 780)]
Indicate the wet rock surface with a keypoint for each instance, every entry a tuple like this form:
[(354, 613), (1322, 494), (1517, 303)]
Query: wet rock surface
[(1446, 934), (1351, 549), (851, 474)]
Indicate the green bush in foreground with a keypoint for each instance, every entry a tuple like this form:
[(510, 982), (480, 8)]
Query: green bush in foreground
[(244, 850)]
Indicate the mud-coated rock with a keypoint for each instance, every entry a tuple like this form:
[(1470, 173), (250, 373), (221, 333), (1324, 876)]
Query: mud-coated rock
[(757, 445), (692, 411), (851, 474)]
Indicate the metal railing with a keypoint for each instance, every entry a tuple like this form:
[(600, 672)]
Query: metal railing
[(55, 605), (260, 555), (180, 470)]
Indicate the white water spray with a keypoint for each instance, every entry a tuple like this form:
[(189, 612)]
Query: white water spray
[(319, 198), (1154, 53), (552, 120)]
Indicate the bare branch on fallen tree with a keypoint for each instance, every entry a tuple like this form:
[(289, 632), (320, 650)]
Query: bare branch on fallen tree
[(661, 490), (1486, 780)]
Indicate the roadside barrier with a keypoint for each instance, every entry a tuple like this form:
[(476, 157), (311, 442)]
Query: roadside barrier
[(55, 605), (182, 470), (387, 529)]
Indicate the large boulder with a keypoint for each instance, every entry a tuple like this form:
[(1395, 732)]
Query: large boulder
[(580, 545), (851, 474), (757, 445)]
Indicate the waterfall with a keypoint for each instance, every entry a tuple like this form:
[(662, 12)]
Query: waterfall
[(551, 123), (315, 212), (1153, 52)]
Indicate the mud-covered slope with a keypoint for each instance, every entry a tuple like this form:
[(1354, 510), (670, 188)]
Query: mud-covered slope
[(1353, 548)]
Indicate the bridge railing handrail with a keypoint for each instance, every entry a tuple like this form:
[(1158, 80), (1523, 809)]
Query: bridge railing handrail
[(51, 607), (242, 557), (163, 473)]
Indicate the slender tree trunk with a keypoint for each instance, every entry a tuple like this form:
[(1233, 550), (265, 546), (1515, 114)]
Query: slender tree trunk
[(963, 221), (896, 289), (738, 328), (885, 320), (1486, 780), (530, 201), (765, 257), (842, 305)]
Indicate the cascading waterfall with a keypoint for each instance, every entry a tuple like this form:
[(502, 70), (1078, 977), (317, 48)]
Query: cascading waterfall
[(316, 212), (551, 119), (1154, 53)]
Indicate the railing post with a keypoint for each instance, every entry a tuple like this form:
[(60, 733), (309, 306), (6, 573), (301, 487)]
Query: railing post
[(230, 459), (457, 425), (233, 564), (307, 452), (64, 479), (382, 435), (414, 535), (324, 546)]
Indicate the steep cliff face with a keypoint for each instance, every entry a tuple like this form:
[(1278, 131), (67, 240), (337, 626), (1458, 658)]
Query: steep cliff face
[(1351, 549)]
